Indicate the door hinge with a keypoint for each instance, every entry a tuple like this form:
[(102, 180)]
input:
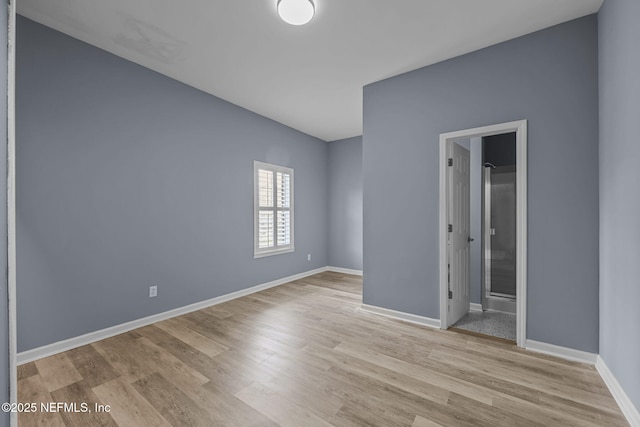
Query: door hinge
[(450, 294), (450, 228), (450, 162)]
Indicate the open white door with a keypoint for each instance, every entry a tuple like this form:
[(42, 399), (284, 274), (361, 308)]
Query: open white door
[(451, 243), (458, 232)]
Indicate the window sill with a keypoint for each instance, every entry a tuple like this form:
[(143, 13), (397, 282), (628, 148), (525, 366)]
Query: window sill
[(274, 252)]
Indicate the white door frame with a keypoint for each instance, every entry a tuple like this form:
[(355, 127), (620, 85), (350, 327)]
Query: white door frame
[(520, 128), (11, 207)]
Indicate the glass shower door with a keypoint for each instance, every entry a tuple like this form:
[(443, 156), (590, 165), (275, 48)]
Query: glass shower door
[(500, 232)]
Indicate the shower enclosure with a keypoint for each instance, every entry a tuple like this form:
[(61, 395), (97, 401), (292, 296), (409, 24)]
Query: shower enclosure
[(499, 238)]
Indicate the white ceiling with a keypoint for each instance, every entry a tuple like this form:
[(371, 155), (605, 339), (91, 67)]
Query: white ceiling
[(309, 77)]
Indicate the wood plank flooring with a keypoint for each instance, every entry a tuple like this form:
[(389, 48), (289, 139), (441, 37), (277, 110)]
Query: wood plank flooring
[(302, 354)]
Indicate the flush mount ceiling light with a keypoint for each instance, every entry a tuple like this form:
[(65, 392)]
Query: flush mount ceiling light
[(296, 12)]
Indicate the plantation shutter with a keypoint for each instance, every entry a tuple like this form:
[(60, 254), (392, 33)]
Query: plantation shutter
[(274, 209)]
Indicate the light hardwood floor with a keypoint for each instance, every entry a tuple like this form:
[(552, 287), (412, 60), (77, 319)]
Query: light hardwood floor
[(302, 354)]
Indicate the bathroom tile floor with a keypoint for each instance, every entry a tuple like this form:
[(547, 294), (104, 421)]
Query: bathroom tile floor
[(494, 323)]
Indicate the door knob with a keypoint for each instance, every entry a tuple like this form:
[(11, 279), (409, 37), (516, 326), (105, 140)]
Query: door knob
[(469, 239)]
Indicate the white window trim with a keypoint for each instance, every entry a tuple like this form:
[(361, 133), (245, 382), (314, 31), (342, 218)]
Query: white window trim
[(257, 252)]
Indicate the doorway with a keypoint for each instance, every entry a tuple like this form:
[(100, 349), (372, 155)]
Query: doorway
[(498, 230), (504, 276)]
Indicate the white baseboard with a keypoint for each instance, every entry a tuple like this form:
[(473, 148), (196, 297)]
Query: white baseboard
[(474, 306), (399, 315), (626, 405), (71, 343), (345, 270), (562, 352)]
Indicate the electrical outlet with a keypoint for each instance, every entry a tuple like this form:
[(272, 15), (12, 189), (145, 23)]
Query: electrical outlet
[(153, 291), (308, 257)]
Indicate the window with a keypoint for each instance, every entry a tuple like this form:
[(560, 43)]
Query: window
[(273, 209)]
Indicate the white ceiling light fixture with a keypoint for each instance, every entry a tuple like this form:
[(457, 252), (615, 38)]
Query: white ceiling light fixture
[(296, 12)]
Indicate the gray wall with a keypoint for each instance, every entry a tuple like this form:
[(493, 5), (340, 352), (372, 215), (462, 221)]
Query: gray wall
[(4, 307), (499, 150), (548, 77), (345, 206), (619, 196), (128, 179)]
